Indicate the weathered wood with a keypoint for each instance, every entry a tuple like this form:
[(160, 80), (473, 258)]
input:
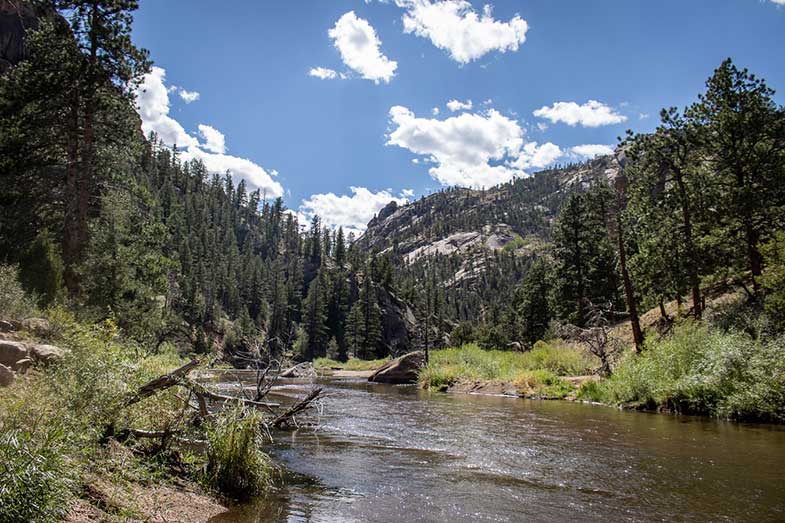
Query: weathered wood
[(300, 406), (206, 393), (161, 383)]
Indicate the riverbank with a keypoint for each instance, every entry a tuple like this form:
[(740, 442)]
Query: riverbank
[(695, 369), (548, 371)]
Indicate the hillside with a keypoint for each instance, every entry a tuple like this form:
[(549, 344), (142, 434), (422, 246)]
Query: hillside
[(476, 245)]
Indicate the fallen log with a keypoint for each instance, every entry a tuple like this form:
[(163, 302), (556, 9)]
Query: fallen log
[(164, 382), (300, 406), (203, 391)]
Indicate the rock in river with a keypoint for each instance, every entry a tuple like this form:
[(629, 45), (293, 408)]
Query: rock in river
[(302, 370), (400, 370)]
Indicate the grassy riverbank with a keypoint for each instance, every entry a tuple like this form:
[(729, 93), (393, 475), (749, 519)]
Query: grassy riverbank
[(538, 373), (67, 448), (697, 370), (353, 364)]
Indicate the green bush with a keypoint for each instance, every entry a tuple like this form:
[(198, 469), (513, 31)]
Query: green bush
[(236, 465), (697, 371), (14, 303)]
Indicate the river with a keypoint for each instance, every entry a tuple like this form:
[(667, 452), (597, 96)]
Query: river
[(396, 453)]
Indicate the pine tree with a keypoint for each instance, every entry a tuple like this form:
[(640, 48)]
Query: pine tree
[(315, 319)]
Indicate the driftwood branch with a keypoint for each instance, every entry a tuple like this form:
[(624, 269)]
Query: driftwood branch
[(206, 393), (164, 382), (300, 406)]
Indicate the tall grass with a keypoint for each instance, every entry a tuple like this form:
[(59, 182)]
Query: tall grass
[(351, 364), (236, 465), (699, 371), (531, 370)]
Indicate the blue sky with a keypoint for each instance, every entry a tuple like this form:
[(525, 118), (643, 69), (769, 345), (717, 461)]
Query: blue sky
[(366, 119)]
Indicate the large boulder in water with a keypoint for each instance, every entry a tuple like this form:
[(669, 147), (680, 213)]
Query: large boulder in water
[(11, 352), (400, 370), (301, 370)]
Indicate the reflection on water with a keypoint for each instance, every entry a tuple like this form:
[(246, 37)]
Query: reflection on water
[(386, 453)]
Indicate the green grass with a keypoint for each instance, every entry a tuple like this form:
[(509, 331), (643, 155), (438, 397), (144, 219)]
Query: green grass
[(352, 364), (700, 371), (533, 373)]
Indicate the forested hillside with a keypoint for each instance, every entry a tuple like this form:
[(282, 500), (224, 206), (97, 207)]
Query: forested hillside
[(115, 224)]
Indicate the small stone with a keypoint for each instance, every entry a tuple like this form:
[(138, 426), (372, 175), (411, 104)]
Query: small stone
[(22, 366)]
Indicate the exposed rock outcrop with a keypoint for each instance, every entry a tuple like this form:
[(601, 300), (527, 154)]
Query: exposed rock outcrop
[(401, 370), (16, 17), (399, 324)]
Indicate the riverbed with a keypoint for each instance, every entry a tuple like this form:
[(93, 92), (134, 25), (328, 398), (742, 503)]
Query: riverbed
[(397, 453)]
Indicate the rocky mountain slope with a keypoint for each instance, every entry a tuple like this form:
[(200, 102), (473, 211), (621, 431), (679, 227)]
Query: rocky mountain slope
[(477, 244)]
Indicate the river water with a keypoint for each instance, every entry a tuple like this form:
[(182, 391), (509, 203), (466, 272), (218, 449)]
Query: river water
[(396, 453)]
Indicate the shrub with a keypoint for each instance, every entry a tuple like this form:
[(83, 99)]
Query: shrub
[(236, 466), (697, 371), (14, 303), (542, 383)]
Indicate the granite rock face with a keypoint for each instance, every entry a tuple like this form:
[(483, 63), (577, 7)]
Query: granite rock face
[(403, 370)]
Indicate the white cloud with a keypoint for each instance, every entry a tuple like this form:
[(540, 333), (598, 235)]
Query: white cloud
[(215, 140), (468, 150), (350, 212), (359, 46), (537, 156), (590, 114), (454, 26), (188, 96), (456, 105), (407, 193), (152, 100), (323, 73), (779, 2), (592, 150), (435, 111)]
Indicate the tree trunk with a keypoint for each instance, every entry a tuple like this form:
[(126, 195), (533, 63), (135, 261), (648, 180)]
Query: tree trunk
[(629, 292), (690, 245)]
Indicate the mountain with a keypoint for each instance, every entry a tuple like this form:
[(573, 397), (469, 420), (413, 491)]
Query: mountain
[(476, 245)]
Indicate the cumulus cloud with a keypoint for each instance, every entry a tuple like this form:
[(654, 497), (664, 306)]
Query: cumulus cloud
[(537, 156), (188, 96), (454, 26), (592, 150), (152, 100), (590, 114), (469, 150), (323, 73), (779, 2), (359, 46), (214, 140), (435, 111), (352, 212), (456, 105)]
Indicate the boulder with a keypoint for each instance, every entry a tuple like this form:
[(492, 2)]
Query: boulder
[(7, 376), (301, 370), (400, 370), (37, 326), (47, 353), (11, 352), (8, 326)]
